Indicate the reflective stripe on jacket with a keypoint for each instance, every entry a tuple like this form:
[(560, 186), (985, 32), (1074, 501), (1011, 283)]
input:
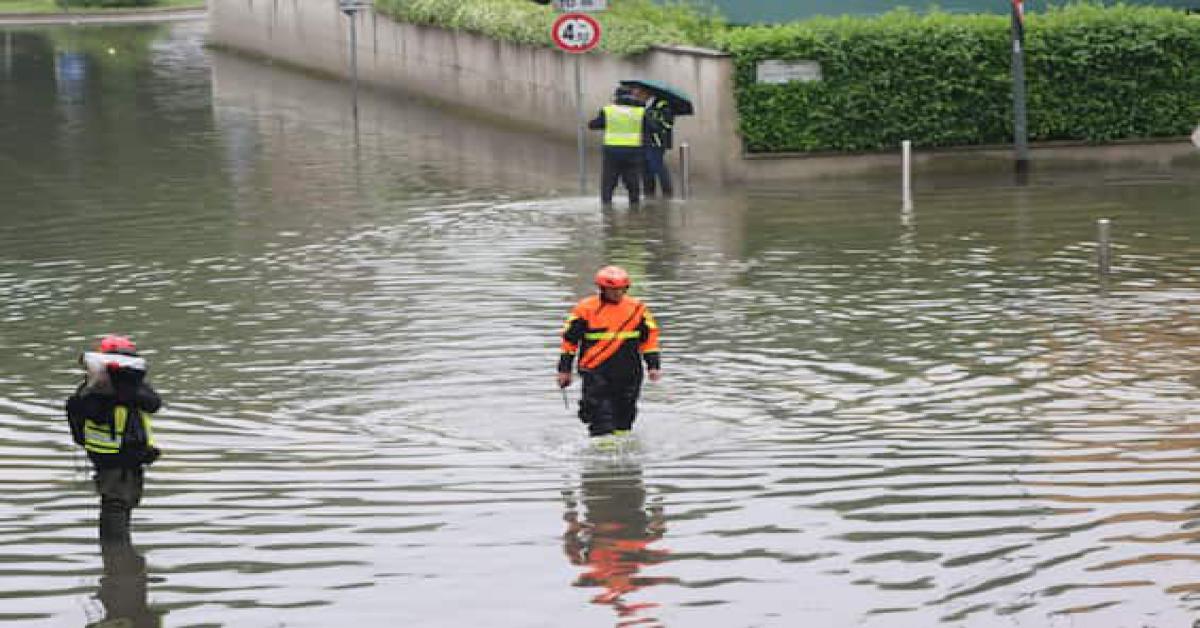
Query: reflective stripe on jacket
[(105, 438), (623, 125), (659, 111)]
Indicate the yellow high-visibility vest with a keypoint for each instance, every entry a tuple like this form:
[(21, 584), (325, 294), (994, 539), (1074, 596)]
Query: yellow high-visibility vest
[(623, 125), (102, 438)]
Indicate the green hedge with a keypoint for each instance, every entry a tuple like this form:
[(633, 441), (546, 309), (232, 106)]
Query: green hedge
[(1094, 74), (628, 27)]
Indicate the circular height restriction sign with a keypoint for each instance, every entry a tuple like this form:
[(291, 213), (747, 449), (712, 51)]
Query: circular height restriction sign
[(576, 32)]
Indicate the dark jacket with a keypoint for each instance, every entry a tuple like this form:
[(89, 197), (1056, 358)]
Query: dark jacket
[(613, 338), (136, 447), (663, 121)]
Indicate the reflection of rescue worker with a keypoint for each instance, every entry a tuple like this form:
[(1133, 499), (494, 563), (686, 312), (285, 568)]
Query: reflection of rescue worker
[(659, 141), (612, 539), (109, 415), (612, 333), (124, 590), (626, 128)]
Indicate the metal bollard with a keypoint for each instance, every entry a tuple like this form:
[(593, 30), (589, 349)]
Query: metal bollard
[(1103, 247), (906, 185), (685, 170), (8, 54)]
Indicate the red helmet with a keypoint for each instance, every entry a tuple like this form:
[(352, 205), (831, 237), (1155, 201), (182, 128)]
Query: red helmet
[(612, 277), (114, 343)]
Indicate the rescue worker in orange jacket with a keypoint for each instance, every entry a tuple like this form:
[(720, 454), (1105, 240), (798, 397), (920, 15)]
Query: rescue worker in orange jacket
[(612, 333)]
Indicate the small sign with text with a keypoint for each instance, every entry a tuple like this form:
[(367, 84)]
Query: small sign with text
[(777, 72), (575, 6)]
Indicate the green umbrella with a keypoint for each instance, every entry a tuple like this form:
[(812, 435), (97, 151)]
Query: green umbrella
[(679, 100)]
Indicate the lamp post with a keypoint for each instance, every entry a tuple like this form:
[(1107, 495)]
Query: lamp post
[(1020, 124), (351, 9)]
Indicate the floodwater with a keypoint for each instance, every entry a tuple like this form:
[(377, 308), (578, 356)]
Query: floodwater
[(868, 417)]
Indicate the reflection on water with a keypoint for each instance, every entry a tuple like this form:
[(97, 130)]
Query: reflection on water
[(613, 537), (123, 592), (867, 417)]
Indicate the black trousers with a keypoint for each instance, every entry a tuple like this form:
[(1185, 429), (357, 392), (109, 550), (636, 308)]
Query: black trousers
[(657, 172), (625, 164), (120, 491), (609, 403)]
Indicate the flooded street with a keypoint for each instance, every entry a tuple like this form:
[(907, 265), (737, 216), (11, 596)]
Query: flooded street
[(867, 417)]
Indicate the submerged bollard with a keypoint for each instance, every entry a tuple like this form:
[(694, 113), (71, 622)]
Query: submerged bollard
[(906, 185), (685, 170), (1103, 247)]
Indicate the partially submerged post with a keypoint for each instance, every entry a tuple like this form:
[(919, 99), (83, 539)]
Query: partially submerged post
[(8, 54), (580, 126), (906, 185), (1020, 125), (1103, 247), (685, 170), (576, 33), (351, 9)]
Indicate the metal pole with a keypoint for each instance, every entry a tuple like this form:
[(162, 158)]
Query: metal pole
[(906, 186), (353, 15), (1020, 124), (685, 170), (8, 54), (1103, 247), (579, 132)]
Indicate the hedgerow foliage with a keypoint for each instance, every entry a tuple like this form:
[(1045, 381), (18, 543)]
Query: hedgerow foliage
[(628, 27), (1093, 74)]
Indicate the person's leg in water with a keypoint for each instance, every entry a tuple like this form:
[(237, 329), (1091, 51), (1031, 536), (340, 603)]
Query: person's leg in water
[(648, 181), (632, 174), (627, 163), (120, 491), (624, 404), (596, 404), (609, 172), (656, 170), (609, 177)]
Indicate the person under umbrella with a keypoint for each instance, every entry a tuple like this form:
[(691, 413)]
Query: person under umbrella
[(655, 173), (626, 129)]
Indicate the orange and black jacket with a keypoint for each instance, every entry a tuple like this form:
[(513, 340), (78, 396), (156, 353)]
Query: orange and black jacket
[(610, 337)]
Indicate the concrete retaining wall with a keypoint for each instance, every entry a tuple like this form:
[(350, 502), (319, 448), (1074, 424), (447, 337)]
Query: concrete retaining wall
[(523, 84), (535, 87)]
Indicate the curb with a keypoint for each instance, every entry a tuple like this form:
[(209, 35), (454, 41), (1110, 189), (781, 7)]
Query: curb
[(119, 15)]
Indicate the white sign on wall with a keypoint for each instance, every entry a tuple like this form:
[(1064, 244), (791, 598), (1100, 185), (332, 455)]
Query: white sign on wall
[(350, 7), (575, 6), (777, 71)]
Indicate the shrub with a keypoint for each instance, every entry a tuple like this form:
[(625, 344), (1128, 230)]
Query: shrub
[(629, 26), (1093, 74)]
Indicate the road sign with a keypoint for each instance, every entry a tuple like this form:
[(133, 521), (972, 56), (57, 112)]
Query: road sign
[(575, 32), (579, 6), (350, 7)]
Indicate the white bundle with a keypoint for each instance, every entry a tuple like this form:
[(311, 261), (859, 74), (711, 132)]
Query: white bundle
[(97, 365)]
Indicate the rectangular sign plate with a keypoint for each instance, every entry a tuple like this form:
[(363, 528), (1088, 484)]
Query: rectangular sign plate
[(574, 6), (778, 72)]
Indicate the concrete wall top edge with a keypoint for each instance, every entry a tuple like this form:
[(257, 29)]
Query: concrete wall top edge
[(692, 50)]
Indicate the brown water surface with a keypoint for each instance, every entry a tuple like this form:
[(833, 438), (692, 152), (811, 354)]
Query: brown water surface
[(869, 417)]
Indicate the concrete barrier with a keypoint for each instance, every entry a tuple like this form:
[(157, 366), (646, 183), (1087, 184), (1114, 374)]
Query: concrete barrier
[(528, 85)]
